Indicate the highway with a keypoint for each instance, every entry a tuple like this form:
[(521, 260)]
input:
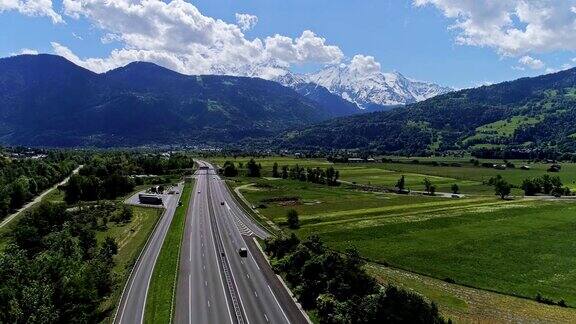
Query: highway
[(133, 302), (216, 284)]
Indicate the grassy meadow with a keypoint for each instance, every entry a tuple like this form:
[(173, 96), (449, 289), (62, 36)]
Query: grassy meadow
[(519, 247)]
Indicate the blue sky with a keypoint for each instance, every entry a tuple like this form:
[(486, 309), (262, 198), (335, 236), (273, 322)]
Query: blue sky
[(423, 39)]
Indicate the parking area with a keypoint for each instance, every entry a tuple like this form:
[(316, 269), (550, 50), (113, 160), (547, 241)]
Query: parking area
[(169, 193)]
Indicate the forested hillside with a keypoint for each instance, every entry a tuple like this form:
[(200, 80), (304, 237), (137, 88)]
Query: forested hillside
[(46, 100), (524, 115)]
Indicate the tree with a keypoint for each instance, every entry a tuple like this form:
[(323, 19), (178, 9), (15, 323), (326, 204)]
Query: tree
[(123, 215), (455, 189), (401, 183), (292, 219), (428, 186), (432, 190), (229, 169), (284, 172), (253, 169), (275, 173), (20, 192), (531, 187), (502, 188)]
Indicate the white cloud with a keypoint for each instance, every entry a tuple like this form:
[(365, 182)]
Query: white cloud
[(512, 27), (532, 63), (246, 21), (25, 51), (178, 36), (364, 65), (28, 51), (551, 70), (32, 8)]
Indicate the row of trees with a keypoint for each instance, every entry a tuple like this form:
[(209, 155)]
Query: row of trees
[(339, 289), (545, 184), (429, 187), (54, 270), (328, 176), (22, 179), (253, 169), (108, 176)]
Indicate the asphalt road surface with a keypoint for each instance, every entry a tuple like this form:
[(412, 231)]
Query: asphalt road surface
[(216, 284), (133, 302)]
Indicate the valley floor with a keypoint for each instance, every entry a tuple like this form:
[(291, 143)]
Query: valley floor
[(518, 247)]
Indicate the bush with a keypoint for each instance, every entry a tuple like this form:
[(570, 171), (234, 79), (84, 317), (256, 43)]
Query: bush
[(292, 219)]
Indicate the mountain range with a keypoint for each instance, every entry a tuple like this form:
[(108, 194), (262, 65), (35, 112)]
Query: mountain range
[(525, 115), (370, 91), (46, 100)]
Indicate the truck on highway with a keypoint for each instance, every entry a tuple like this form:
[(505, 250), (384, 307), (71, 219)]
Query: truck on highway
[(149, 199)]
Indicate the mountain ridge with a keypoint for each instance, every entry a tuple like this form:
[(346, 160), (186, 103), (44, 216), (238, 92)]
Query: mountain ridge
[(370, 91), (45, 100), (524, 115)]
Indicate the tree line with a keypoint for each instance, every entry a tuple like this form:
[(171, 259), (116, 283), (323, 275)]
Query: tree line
[(328, 176), (22, 179), (109, 176), (54, 270), (339, 289)]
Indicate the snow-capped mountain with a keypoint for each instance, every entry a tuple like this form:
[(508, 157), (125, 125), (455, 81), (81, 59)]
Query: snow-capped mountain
[(373, 90)]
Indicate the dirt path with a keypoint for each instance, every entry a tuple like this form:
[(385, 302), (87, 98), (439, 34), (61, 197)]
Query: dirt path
[(38, 198)]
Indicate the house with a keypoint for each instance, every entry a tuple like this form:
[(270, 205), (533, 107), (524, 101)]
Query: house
[(355, 160)]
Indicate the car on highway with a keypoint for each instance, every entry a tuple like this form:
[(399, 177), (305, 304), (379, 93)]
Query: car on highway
[(222, 203), (243, 252)]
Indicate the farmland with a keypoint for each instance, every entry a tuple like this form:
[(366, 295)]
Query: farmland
[(519, 247)]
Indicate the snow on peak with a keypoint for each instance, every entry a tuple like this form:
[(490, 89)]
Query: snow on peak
[(369, 86)]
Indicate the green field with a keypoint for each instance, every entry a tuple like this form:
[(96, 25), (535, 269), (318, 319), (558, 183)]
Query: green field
[(468, 177), (131, 238), (519, 247), (159, 303)]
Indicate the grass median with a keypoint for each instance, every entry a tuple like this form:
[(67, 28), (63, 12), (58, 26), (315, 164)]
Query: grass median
[(160, 300)]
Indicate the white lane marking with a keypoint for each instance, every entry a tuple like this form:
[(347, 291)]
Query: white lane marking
[(266, 317), (189, 298), (208, 304), (255, 294), (286, 317), (232, 273), (221, 280), (248, 276), (205, 283)]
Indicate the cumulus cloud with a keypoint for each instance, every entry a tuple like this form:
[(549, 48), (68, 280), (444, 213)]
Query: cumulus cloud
[(35, 8), (246, 21), (364, 65), (177, 35), (532, 63), (512, 27)]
